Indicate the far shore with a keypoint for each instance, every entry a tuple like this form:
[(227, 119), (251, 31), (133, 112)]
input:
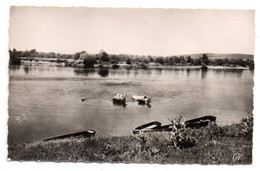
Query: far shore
[(151, 65)]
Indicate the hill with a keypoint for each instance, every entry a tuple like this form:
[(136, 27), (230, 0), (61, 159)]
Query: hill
[(222, 56)]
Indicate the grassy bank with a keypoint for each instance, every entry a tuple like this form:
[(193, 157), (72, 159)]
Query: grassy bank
[(230, 144)]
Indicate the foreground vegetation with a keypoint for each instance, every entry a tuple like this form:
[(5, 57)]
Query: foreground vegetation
[(103, 58), (230, 144)]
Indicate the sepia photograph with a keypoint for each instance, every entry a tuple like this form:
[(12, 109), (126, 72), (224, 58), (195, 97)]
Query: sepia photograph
[(131, 85)]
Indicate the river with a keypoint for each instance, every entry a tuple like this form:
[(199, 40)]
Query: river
[(47, 101)]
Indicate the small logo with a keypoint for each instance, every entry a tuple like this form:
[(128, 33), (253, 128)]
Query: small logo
[(236, 157)]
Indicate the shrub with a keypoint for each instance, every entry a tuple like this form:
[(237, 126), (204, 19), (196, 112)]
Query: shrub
[(205, 59), (103, 56), (219, 62), (251, 65), (14, 57), (243, 130), (159, 60), (204, 67), (115, 66), (128, 61), (178, 139), (143, 66), (15, 60), (89, 61)]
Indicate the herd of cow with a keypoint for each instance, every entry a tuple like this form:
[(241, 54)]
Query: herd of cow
[(121, 98)]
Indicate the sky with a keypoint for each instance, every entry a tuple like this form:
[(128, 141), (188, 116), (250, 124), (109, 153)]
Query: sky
[(159, 32)]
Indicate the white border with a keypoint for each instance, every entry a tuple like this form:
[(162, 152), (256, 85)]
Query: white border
[(195, 4)]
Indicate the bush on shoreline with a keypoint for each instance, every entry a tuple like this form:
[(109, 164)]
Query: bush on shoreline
[(102, 56), (230, 144)]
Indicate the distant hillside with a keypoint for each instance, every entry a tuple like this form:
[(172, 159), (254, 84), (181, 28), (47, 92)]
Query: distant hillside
[(222, 56)]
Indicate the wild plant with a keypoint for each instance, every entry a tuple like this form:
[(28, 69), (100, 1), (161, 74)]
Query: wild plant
[(177, 138), (247, 126), (244, 129), (142, 139)]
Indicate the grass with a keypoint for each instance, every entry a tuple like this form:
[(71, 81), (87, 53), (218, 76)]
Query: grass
[(230, 144)]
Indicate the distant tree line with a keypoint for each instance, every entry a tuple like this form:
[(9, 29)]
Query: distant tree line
[(103, 57)]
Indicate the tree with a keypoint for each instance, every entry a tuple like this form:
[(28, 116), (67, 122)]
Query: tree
[(176, 59), (169, 60), (51, 55), (151, 59), (89, 61), (226, 61), (197, 61), (34, 53), (159, 60), (241, 62), (128, 61), (103, 56), (182, 60), (251, 65), (114, 59), (205, 59), (14, 57), (188, 59), (192, 61), (219, 62), (146, 61), (76, 56)]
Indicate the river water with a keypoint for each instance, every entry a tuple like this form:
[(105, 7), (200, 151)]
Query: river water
[(47, 101)]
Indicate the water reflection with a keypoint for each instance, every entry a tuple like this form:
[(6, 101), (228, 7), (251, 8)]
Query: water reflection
[(181, 88), (158, 71), (103, 72), (136, 72), (188, 72), (123, 104), (14, 67), (204, 73), (27, 69), (128, 70), (140, 103), (226, 72), (85, 72), (147, 72)]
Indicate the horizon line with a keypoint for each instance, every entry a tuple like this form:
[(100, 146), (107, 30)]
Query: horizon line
[(222, 53)]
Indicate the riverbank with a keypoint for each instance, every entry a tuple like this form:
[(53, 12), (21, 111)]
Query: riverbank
[(79, 64), (231, 144)]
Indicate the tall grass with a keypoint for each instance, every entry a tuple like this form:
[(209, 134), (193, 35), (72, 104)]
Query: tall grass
[(209, 145)]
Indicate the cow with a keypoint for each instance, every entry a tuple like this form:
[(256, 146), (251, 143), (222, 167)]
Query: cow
[(142, 99), (119, 98)]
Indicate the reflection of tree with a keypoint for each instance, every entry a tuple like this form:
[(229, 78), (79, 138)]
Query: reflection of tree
[(237, 72), (103, 72), (26, 69), (188, 72), (204, 73), (225, 72), (147, 72), (14, 67), (135, 72), (85, 72), (158, 71), (128, 70)]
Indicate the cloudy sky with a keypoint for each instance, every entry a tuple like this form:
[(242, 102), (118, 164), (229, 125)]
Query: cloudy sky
[(159, 32)]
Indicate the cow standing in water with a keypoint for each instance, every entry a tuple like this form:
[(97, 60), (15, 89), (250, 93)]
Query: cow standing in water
[(142, 99), (119, 98)]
